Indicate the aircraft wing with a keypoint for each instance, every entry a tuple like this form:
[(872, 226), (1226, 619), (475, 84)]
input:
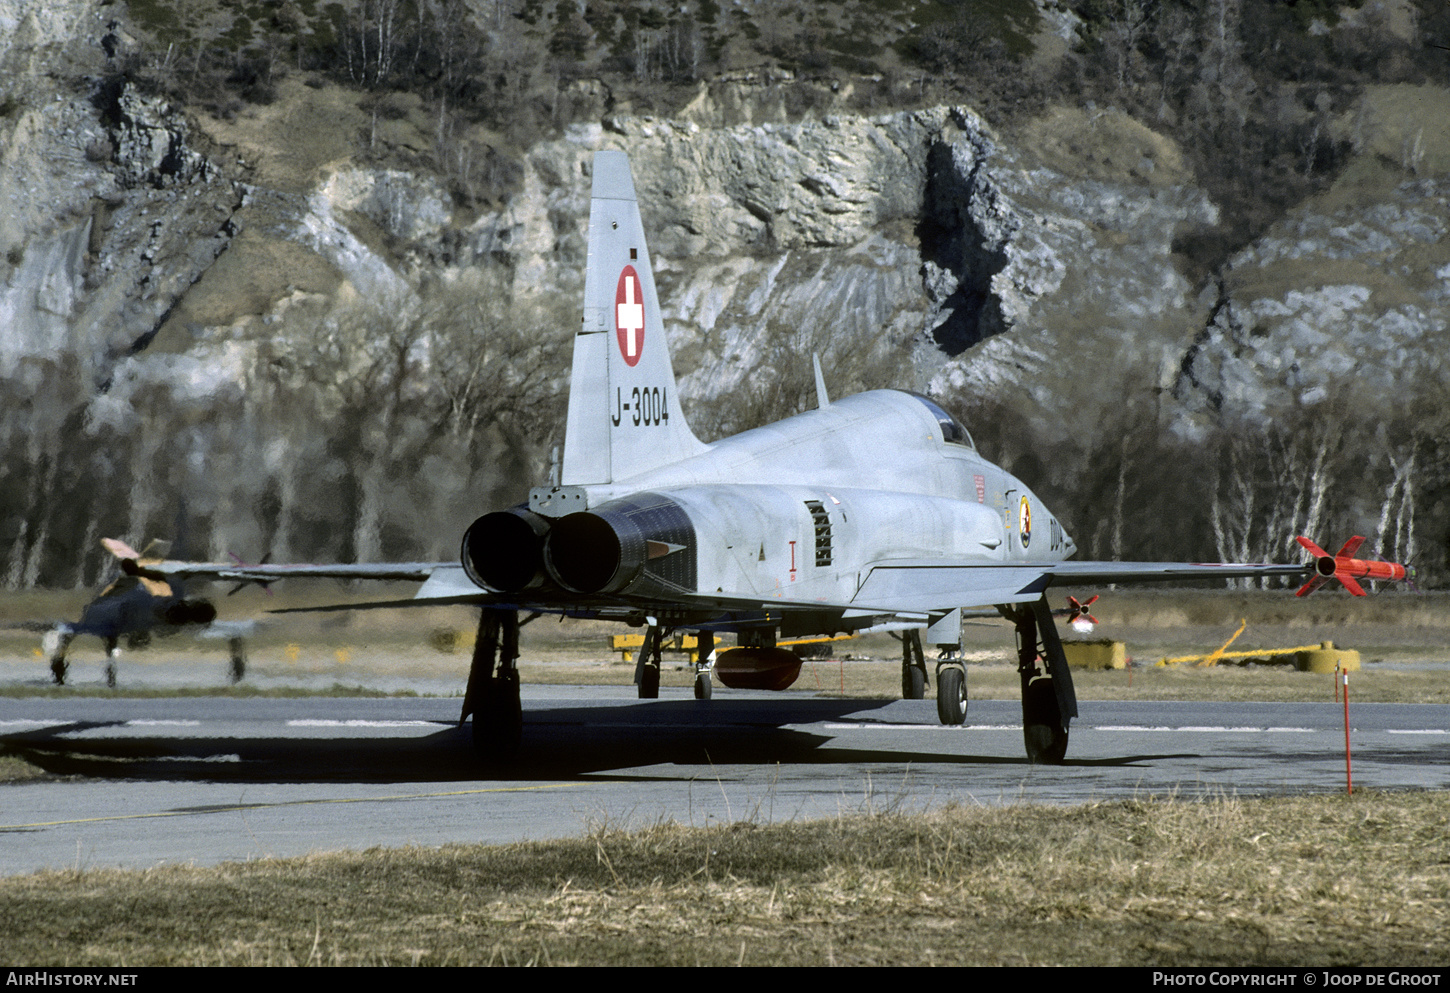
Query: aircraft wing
[(935, 585), (448, 584), (158, 569), (229, 571), (905, 591)]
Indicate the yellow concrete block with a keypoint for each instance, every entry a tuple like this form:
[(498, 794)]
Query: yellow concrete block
[(1096, 654), (1325, 658)]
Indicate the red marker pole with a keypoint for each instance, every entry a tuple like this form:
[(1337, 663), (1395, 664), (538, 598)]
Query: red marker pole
[(1348, 779)]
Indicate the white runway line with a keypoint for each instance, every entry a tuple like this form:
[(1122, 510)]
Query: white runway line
[(1200, 729), (321, 723), (872, 726)]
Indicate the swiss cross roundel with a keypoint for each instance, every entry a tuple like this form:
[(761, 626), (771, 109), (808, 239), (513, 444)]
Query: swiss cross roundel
[(629, 316)]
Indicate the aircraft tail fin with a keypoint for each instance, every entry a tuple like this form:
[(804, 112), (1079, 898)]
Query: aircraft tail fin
[(119, 549), (624, 409)]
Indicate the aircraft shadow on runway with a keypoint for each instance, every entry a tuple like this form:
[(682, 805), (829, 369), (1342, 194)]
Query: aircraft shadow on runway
[(627, 742)]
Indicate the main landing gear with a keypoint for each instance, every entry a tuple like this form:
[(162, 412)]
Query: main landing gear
[(913, 666), (58, 641), (1048, 701), (55, 642), (237, 652), (113, 652), (492, 697), (647, 666), (704, 660)]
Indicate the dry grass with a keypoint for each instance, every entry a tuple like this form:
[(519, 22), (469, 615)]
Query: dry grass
[(1329, 880), (16, 768)]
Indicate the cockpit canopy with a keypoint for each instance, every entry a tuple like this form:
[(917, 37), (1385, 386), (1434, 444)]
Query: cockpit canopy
[(952, 431)]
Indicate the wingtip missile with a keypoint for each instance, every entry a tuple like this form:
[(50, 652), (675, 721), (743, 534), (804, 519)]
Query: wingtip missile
[(1344, 567), (265, 584), (1078, 616)]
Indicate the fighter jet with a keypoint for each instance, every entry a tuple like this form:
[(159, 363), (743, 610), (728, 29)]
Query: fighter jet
[(137, 604), (874, 511), (148, 599)]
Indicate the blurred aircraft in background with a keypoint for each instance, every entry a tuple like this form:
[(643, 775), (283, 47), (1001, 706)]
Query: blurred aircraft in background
[(138, 604), (149, 600)]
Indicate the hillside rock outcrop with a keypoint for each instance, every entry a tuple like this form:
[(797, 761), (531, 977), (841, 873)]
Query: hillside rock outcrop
[(1347, 302), (910, 241)]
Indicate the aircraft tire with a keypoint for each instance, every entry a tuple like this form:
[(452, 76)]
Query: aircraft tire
[(57, 671), (702, 686), (111, 675), (498, 724), (238, 670), (649, 682), (951, 695), (1046, 745), (1042, 729), (913, 683)]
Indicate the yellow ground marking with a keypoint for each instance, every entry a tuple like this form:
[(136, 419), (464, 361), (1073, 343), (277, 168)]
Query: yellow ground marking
[(1222, 652), (232, 808), (1212, 657)]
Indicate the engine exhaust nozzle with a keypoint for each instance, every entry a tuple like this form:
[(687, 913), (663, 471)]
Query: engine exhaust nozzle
[(594, 553), (504, 551)]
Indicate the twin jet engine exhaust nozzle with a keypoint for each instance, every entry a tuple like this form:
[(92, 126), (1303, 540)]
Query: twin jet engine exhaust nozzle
[(590, 552)]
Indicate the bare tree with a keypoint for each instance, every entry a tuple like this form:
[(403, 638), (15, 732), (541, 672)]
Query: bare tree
[(1128, 24)]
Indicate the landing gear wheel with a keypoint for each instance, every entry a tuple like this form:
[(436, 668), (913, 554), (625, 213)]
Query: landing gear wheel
[(498, 724), (649, 682), (702, 685), (913, 683), (238, 660), (1046, 743), (951, 695), (913, 667), (111, 652), (57, 670)]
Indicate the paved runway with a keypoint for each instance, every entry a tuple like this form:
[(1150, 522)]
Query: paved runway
[(207, 780)]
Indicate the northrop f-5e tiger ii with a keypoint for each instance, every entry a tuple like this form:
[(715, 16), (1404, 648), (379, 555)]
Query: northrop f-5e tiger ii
[(870, 511)]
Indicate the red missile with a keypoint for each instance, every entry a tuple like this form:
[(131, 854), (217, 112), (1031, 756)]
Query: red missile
[(1078, 616), (1345, 568)]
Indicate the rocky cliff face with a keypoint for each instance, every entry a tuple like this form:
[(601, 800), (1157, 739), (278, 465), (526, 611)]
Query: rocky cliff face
[(1017, 265), (917, 248), (1339, 302), (110, 213)]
